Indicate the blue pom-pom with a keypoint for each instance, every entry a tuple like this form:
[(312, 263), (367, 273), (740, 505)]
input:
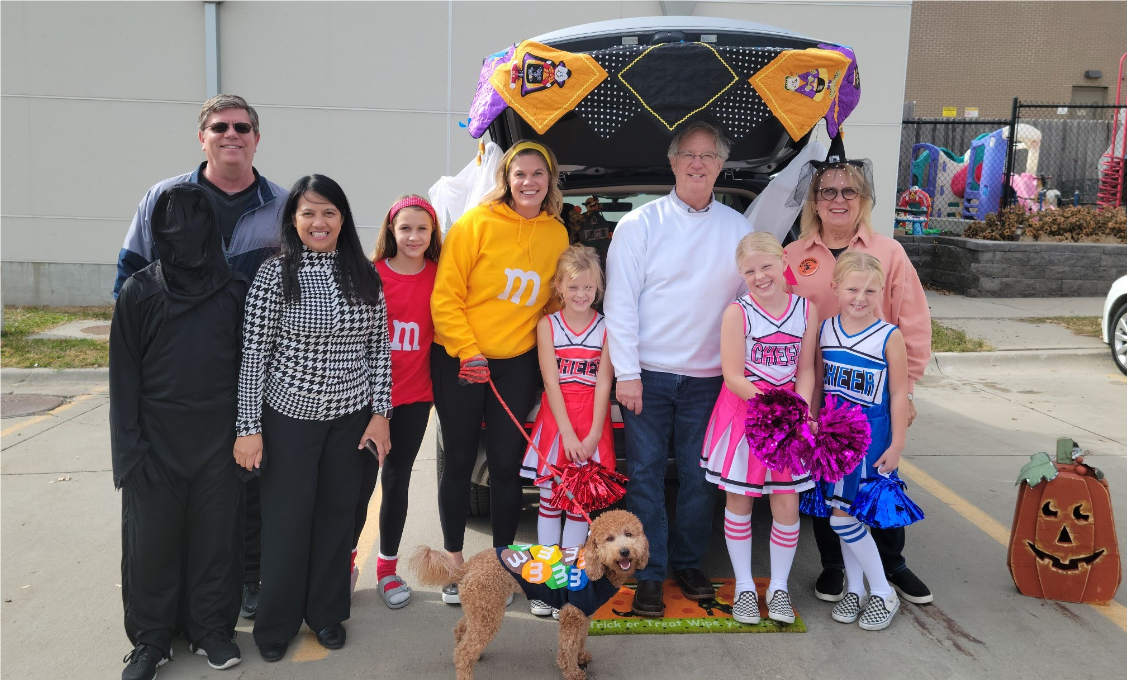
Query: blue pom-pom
[(813, 501), (883, 503)]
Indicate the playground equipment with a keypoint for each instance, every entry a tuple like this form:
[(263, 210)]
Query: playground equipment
[(986, 165), (913, 210), (1112, 163), (933, 170)]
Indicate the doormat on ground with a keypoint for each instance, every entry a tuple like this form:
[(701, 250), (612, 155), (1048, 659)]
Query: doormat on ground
[(683, 615)]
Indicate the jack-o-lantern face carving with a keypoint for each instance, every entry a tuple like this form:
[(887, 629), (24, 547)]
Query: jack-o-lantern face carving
[(1063, 544)]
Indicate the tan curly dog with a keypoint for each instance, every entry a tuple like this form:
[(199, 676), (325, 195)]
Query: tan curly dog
[(615, 548)]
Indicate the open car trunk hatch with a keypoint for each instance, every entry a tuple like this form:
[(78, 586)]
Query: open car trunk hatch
[(615, 135)]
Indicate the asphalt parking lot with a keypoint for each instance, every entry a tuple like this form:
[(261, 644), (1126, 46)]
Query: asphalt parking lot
[(61, 609)]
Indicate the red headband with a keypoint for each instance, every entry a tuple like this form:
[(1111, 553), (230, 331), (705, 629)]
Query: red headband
[(411, 202)]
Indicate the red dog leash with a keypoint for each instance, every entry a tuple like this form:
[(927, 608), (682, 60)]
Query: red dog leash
[(556, 474)]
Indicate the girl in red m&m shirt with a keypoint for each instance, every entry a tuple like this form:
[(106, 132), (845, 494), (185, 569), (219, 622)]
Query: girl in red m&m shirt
[(406, 257)]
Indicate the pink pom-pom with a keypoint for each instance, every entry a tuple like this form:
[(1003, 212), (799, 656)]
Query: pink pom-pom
[(776, 429), (841, 442)]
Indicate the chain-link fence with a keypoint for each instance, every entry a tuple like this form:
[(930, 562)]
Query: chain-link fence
[(1044, 155)]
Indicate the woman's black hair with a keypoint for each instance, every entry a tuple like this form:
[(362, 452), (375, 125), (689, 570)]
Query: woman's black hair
[(355, 275)]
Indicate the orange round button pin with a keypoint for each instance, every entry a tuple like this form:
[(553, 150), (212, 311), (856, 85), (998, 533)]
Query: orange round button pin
[(808, 266)]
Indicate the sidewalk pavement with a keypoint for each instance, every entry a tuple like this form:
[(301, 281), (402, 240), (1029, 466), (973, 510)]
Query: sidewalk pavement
[(1018, 345)]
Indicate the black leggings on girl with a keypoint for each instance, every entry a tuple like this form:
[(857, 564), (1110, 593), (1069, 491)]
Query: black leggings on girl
[(461, 410), (408, 425)]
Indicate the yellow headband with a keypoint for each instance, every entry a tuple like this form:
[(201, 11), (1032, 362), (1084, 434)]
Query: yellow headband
[(534, 146)]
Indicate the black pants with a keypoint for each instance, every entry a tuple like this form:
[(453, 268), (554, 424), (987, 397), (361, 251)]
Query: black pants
[(180, 552), (460, 414), (252, 535), (890, 544), (310, 484), (408, 425)]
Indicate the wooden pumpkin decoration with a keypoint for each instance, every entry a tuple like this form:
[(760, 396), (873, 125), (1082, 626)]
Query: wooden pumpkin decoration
[(1062, 542)]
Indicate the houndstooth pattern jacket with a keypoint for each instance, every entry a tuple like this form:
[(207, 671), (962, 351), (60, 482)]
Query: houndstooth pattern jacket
[(319, 359)]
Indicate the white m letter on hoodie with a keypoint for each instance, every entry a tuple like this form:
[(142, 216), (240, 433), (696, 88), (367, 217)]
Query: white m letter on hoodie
[(525, 277)]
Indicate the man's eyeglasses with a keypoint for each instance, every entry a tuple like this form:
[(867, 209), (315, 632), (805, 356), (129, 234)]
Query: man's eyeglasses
[(707, 156), (220, 128), (830, 193)]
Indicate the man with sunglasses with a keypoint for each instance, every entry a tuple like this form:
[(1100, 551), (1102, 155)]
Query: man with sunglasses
[(249, 211), (249, 205)]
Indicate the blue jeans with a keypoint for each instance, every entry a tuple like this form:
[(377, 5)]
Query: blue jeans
[(675, 408)]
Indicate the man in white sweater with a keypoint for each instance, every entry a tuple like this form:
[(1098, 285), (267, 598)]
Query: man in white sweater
[(671, 272)]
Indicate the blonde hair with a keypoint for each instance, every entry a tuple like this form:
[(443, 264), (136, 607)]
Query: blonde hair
[(385, 239), (576, 261), (810, 223), (503, 193), (758, 242), (855, 261)]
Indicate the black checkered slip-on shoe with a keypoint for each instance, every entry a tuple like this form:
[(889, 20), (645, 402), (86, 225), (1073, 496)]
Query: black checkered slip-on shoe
[(779, 607), (540, 608), (848, 609), (746, 608), (879, 611)]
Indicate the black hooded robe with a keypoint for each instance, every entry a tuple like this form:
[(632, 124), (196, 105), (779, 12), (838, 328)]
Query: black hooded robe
[(175, 350)]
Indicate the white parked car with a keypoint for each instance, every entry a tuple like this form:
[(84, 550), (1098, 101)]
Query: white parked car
[(1114, 322)]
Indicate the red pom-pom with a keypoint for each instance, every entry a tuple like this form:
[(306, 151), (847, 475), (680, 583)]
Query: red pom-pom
[(593, 486)]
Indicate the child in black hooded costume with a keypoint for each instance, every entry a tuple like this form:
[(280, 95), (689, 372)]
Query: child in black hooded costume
[(175, 348)]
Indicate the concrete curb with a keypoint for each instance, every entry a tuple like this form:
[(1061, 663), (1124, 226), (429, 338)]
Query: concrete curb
[(977, 364), (65, 382)]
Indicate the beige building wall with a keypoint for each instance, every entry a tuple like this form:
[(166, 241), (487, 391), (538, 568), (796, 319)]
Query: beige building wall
[(99, 101), (984, 53)]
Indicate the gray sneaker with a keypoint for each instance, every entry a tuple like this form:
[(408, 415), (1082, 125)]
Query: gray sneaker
[(848, 609), (879, 611), (779, 607), (746, 608)]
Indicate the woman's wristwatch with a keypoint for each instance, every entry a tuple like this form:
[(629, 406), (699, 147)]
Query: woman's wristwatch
[(386, 414)]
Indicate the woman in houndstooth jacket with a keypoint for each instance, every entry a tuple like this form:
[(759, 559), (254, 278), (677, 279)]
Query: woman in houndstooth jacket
[(314, 389)]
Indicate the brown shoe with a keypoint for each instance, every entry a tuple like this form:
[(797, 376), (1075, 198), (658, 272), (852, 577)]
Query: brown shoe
[(648, 600), (694, 584)]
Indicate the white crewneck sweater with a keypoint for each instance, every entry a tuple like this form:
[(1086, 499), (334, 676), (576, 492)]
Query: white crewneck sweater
[(670, 275)]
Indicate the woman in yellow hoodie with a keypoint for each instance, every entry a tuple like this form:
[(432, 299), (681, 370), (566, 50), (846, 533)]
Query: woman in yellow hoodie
[(493, 284)]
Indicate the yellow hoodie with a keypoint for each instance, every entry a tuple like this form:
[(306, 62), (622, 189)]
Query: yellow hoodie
[(494, 281)]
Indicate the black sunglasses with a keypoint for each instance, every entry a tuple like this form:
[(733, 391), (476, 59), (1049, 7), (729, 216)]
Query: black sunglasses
[(221, 128)]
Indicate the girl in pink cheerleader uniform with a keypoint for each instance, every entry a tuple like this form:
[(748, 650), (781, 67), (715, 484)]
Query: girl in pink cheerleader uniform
[(765, 342), (573, 424)]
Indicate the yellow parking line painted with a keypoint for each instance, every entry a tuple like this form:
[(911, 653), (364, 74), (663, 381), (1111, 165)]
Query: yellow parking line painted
[(52, 413), (1114, 612), (1118, 376), (309, 649)]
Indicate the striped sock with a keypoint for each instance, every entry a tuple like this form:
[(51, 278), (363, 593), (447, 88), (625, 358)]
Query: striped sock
[(548, 523), (857, 540), (784, 543), (737, 536), (574, 531)]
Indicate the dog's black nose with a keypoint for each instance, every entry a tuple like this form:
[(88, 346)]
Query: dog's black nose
[(625, 552)]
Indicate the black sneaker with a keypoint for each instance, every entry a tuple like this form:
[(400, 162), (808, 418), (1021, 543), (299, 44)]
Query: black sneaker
[(219, 648), (250, 600), (143, 662), (450, 594), (910, 587), (830, 585)]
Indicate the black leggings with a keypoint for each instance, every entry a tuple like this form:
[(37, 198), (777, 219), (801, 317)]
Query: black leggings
[(461, 410), (408, 425)]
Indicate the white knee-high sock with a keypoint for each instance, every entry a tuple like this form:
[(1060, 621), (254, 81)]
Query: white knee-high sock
[(737, 536), (574, 531), (548, 523), (857, 540), (784, 543), (854, 574)]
